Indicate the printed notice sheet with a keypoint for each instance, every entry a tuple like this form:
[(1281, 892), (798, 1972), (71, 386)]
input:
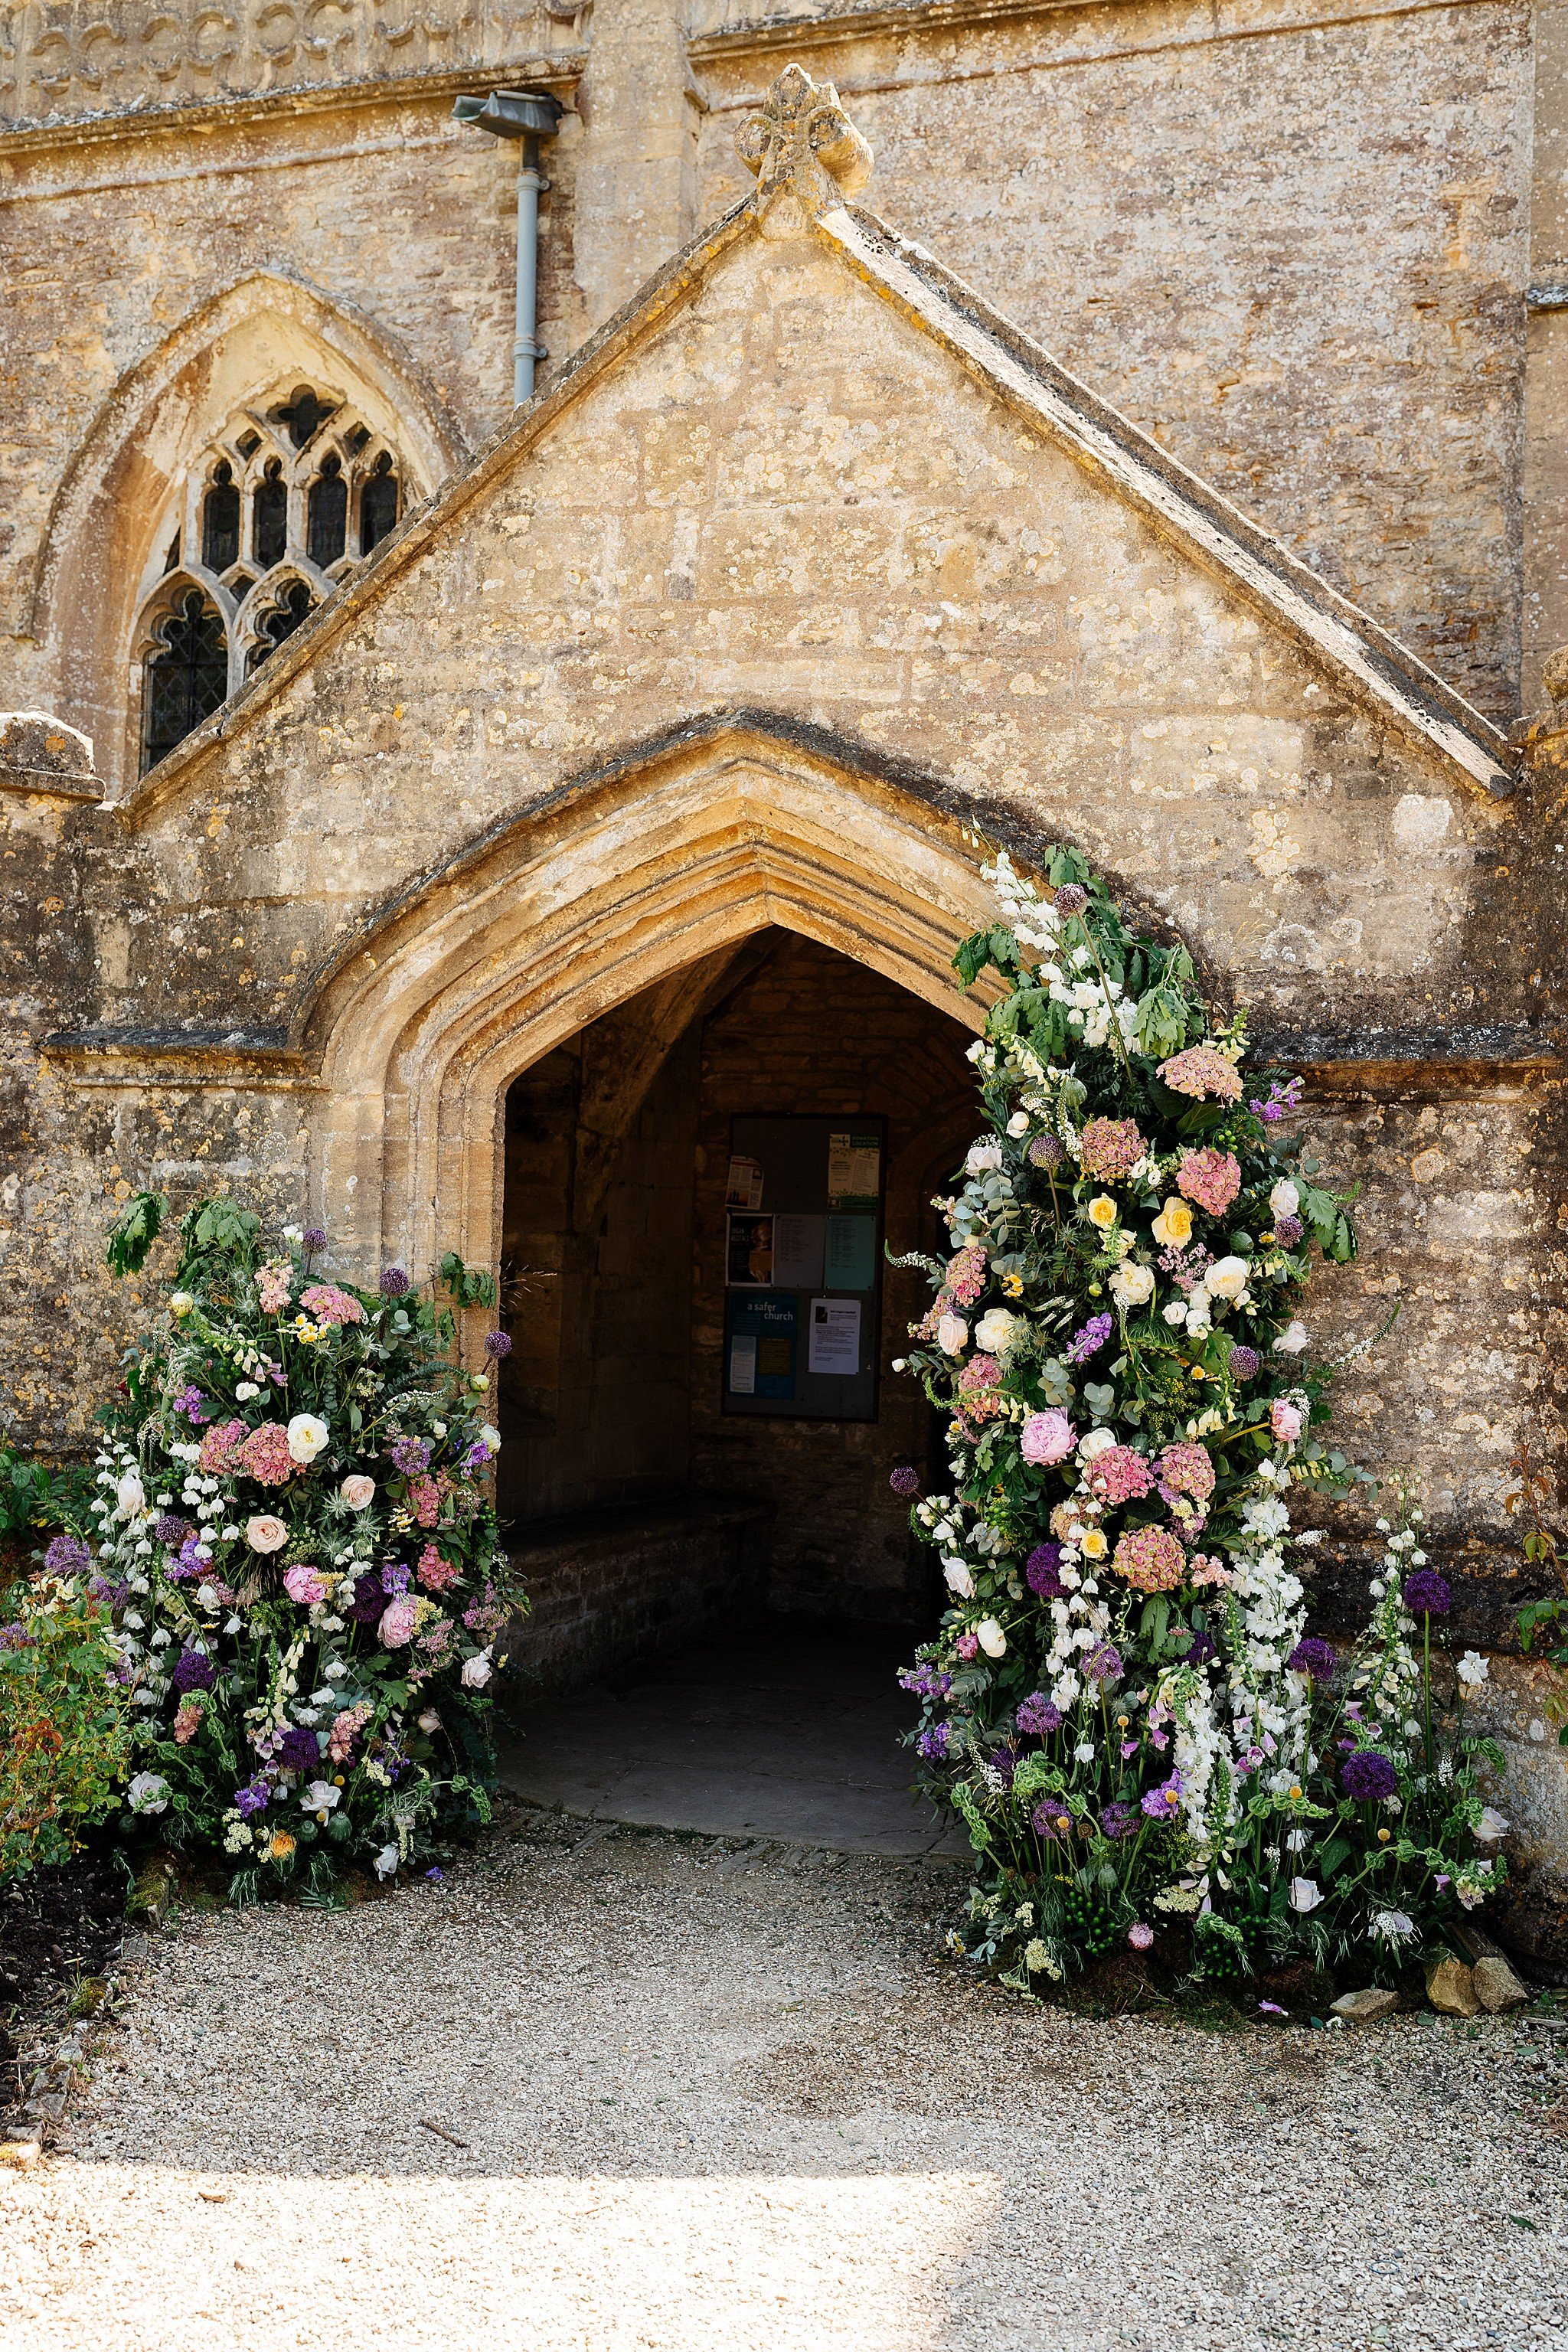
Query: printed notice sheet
[(835, 1337), (798, 1243)]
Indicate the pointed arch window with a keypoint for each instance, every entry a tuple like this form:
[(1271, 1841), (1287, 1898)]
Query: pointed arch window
[(186, 678), (220, 519), (269, 516), (327, 527), (378, 504), (295, 604)]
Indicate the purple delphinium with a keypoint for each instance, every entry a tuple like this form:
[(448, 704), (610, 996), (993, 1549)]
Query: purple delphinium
[(1244, 1363), (1090, 1341), (1005, 1759), (253, 1798), (192, 1403), (298, 1750), (905, 1480), (478, 1456), (933, 1744), (497, 1344), (411, 1456), (1312, 1657), (369, 1599), (15, 1636), (67, 1556), (394, 1579), (186, 1561), (1367, 1775), (1119, 1820), (105, 1588), (1040, 1572), (1161, 1803), (1288, 1230), (193, 1672), (1283, 1096), (1103, 1664), (1071, 900), (393, 1282), (1426, 1593), (925, 1680), (1038, 1717)]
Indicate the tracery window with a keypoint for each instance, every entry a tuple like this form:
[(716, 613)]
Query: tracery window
[(258, 536)]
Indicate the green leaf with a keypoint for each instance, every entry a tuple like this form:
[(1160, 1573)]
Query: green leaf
[(134, 1231)]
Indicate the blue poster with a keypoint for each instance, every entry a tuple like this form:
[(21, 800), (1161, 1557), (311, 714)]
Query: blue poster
[(759, 1343)]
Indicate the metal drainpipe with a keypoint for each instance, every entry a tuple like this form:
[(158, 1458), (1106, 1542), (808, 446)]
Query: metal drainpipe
[(528, 116)]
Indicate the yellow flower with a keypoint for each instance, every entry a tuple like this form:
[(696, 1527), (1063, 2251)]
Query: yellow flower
[(1102, 1212), (279, 1846), (1174, 1226), (1092, 1543)]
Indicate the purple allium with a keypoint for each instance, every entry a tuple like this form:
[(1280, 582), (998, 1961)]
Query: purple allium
[(193, 1672), (1087, 1342), (1038, 1715), (1051, 1819), (1071, 900), (497, 1344), (1103, 1664), (369, 1599), (1047, 1152), (1312, 1657), (253, 1798), (1244, 1363), (314, 1238), (1119, 1820), (170, 1529), (1367, 1775), (298, 1750), (904, 1479), (394, 1579), (1426, 1593), (393, 1282), (933, 1744), (67, 1556), (411, 1456), (1040, 1572), (1288, 1230)]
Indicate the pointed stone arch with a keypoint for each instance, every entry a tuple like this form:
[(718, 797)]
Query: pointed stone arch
[(92, 571), (682, 853)]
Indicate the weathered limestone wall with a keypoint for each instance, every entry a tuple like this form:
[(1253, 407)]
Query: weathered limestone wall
[(1291, 243)]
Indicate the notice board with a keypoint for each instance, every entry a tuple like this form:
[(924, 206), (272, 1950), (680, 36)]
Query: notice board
[(803, 1266)]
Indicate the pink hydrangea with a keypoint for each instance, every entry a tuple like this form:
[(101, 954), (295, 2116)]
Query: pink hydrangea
[(264, 1454), (1204, 1567), (965, 1276), (1109, 1147), (1150, 1559), (1047, 1436), (424, 1500), (327, 1303), (436, 1574), (1187, 1469), (978, 1396), (1202, 1070), (398, 1624), (272, 1285), (220, 1447), (1119, 1475), (1211, 1178), (305, 1584)]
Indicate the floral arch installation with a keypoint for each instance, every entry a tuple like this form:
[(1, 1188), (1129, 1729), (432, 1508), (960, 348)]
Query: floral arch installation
[(279, 509)]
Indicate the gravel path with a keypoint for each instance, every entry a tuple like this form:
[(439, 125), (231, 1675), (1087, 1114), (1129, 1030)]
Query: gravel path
[(712, 2100)]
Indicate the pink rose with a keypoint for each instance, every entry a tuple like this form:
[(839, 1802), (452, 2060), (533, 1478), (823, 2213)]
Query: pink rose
[(1049, 1436), (264, 1533), (357, 1491), (1285, 1421), (305, 1585), (398, 1624)]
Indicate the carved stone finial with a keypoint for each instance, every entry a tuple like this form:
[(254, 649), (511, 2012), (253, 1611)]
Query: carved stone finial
[(806, 153)]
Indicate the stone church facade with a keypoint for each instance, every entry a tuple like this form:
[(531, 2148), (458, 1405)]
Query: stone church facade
[(447, 825)]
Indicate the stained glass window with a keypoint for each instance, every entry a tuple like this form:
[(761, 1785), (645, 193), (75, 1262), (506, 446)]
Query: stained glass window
[(187, 679)]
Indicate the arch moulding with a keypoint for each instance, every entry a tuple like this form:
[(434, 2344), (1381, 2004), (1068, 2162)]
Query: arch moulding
[(572, 913)]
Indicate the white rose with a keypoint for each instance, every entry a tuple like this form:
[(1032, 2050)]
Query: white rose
[(320, 1797), (1198, 1317), (1472, 1669), (1305, 1895), (245, 1389), (429, 1720), (981, 1157), (306, 1435), (1018, 1124), (951, 1335), (991, 1637), (1093, 1443), (130, 1494), (1284, 1199), (477, 1671), (489, 1437), (1176, 1314), (959, 1579), (994, 1329), (1291, 1340), (1227, 1279), (1131, 1285), (147, 1793)]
